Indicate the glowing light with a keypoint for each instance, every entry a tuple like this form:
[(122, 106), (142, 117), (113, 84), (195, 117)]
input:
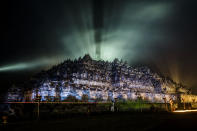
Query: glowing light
[(13, 67), (124, 34), (29, 65), (126, 37), (195, 110)]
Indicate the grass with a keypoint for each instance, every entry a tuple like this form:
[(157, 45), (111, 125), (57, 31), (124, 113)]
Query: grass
[(110, 121)]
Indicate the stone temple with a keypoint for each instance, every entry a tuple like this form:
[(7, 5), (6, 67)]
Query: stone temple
[(100, 80)]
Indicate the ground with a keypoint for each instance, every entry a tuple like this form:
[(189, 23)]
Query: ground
[(109, 121)]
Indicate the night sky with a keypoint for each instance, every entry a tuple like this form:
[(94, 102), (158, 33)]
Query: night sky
[(157, 33)]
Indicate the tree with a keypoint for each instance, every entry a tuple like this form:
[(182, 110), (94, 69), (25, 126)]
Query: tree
[(71, 98), (84, 98)]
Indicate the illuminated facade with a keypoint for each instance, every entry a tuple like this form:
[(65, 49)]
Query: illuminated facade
[(101, 80)]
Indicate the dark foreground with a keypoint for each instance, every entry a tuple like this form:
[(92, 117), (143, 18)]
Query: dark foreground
[(109, 121)]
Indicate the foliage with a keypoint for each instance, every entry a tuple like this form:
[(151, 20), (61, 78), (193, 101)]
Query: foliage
[(84, 98), (71, 98)]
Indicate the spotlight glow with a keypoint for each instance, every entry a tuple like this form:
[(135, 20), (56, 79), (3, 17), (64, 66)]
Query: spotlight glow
[(29, 65), (195, 110), (13, 67), (124, 35)]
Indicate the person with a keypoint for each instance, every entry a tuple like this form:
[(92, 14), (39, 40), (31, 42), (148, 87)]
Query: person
[(112, 107), (4, 118), (152, 108), (171, 104)]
